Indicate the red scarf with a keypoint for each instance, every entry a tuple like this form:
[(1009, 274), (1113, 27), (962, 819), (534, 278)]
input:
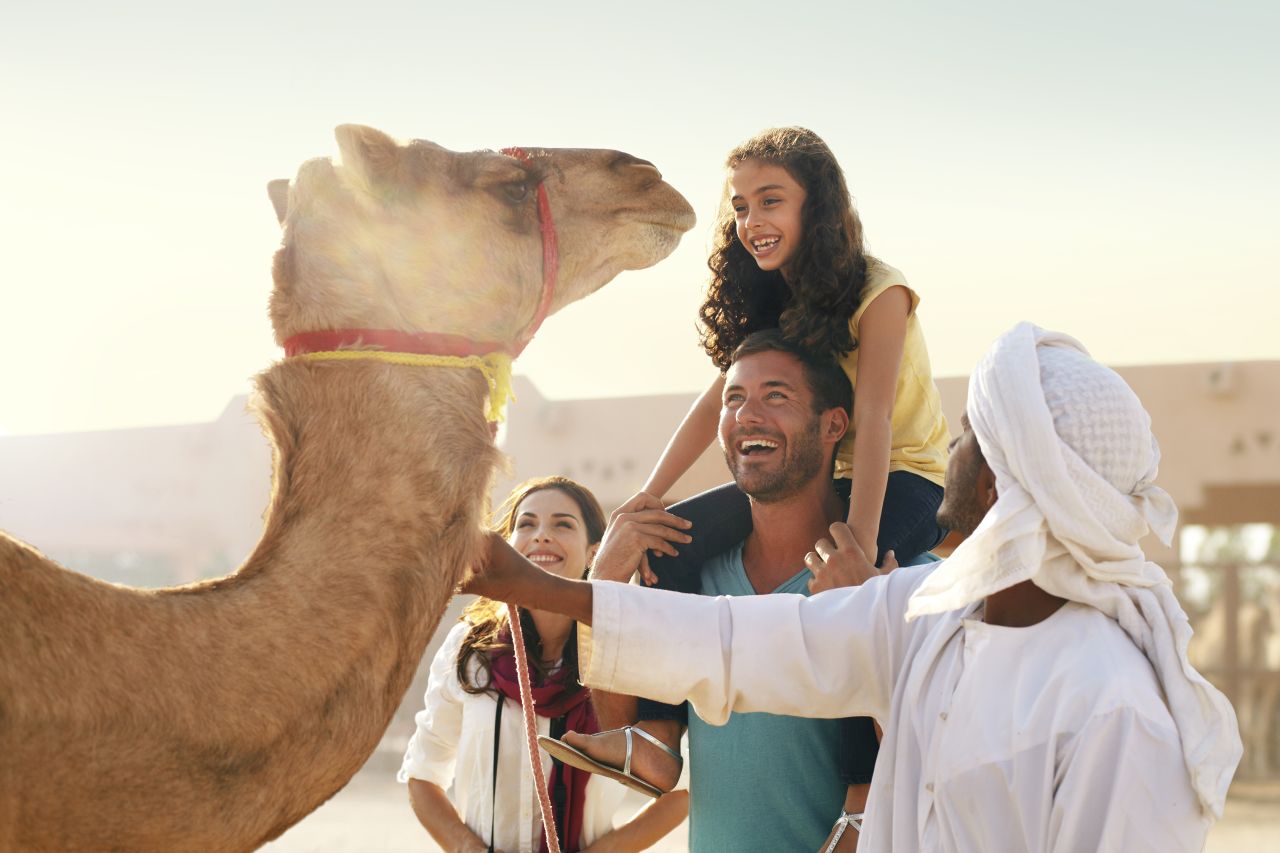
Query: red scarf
[(553, 699)]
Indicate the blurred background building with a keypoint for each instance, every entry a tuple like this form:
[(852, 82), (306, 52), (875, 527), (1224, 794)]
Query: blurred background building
[(168, 505)]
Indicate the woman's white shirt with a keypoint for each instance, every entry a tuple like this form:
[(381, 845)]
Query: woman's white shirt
[(453, 743)]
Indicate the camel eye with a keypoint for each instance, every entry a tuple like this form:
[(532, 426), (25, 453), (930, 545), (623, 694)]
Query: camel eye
[(516, 193)]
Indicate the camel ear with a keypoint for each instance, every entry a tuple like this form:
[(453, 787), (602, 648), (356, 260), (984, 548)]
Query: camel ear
[(278, 191), (369, 153)]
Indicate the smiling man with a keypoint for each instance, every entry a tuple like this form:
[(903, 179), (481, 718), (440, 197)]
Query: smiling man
[(760, 782)]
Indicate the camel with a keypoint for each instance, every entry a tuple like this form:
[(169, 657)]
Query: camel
[(214, 716)]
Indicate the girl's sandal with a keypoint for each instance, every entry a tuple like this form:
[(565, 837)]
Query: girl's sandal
[(842, 823), (574, 758)]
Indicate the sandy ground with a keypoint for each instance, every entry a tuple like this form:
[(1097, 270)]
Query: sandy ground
[(371, 815)]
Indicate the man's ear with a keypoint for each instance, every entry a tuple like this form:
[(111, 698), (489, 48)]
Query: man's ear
[(837, 423), (987, 486)]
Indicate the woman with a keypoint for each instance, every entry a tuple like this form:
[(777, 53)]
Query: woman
[(471, 732)]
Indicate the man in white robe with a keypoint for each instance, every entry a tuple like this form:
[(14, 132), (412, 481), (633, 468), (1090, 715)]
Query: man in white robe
[(1033, 688)]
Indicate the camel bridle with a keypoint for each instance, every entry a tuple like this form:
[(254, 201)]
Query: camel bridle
[(442, 349)]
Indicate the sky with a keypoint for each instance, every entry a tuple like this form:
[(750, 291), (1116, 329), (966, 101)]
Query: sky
[(1106, 168)]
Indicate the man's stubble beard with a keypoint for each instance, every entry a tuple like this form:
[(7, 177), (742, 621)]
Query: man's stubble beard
[(960, 510), (804, 462)]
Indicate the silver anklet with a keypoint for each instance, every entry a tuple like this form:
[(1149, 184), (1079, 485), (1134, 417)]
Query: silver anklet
[(843, 822)]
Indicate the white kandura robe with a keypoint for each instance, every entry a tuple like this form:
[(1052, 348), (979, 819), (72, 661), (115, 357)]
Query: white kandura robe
[(1053, 737)]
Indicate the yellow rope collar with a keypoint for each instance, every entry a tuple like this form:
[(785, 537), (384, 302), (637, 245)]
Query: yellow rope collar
[(496, 368)]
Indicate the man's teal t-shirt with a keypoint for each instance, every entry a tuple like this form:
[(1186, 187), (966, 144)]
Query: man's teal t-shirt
[(761, 782)]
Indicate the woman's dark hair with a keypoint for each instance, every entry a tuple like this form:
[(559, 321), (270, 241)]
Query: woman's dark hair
[(826, 274), (487, 618)]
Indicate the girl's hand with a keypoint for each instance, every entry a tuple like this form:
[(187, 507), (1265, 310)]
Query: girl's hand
[(839, 561), (636, 528), (639, 502)]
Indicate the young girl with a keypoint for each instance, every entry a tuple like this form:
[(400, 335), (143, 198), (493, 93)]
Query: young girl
[(789, 254), (471, 732)]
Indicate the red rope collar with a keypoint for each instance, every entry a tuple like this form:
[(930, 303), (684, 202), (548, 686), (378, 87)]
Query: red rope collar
[(442, 343)]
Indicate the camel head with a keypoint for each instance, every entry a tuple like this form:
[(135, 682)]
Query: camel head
[(417, 238)]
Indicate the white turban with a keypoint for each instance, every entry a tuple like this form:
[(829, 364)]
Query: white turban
[(1074, 459)]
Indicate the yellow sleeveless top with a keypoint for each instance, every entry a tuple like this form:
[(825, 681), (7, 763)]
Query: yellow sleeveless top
[(920, 435)]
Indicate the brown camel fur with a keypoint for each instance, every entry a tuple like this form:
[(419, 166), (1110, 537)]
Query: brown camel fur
[(212, 717)]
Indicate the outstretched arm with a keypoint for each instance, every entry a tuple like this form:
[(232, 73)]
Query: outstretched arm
[(836, 654), (833, 655)]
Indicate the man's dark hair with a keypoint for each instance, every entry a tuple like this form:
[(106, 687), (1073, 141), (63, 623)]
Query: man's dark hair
[(827, 380)]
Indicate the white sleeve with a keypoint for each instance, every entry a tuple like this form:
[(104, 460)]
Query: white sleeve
[(1121, 784), (831, 655), (433, 748)]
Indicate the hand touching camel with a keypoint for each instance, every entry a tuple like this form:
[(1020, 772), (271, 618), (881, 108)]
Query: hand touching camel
[(508, 576)]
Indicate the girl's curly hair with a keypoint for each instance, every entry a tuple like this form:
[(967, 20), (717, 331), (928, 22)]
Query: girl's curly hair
[(826, 274), (487, 618)]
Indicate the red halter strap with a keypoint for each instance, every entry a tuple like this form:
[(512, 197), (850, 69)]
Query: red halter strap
[(550, 255), (550, 267), (442, 343)]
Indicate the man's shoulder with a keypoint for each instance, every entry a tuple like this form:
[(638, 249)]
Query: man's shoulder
[(1100, 667), (1100, 646)]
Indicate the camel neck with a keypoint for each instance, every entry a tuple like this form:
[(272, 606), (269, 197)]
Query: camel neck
[(359, 461), (380, 476)]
